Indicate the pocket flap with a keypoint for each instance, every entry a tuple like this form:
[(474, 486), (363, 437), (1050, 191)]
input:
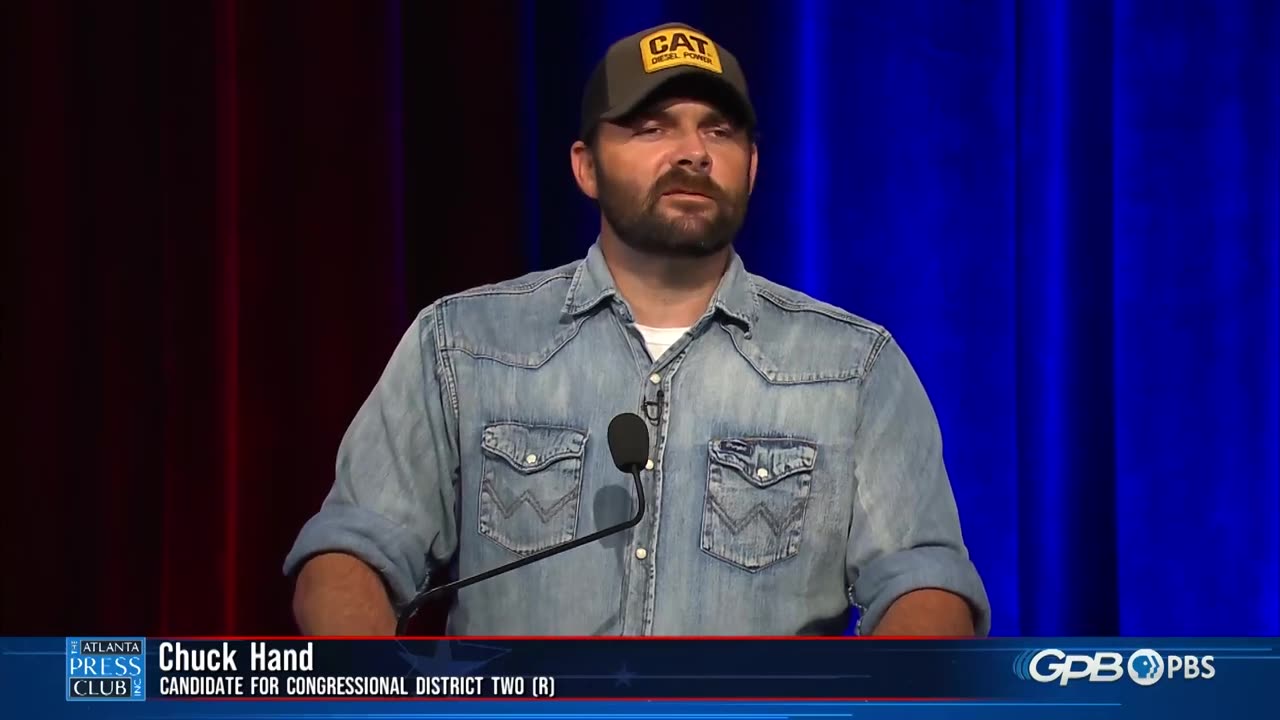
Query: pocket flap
[(530, 448), (765, 461)]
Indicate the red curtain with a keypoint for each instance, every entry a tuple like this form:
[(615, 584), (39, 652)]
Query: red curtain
[(226, 213)]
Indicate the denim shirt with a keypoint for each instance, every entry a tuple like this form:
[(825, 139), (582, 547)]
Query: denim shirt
[(796, 466)]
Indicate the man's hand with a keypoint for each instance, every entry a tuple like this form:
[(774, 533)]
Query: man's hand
[(338, 594), (927, 612)]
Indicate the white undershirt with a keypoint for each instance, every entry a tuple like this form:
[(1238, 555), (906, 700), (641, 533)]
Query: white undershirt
[(659, 339)]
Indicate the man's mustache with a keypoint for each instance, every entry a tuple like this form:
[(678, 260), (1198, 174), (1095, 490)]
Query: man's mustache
[(678, 181)]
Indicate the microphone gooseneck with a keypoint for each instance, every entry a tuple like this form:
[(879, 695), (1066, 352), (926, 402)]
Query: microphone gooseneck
[(629, 446)]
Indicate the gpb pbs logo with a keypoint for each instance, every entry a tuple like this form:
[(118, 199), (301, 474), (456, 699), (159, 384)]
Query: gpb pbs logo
[(1145, 667)]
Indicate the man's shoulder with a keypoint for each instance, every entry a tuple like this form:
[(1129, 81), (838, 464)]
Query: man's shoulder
[(799, 338), (541, 287), (538, 282), (782, 302), (514, 320)]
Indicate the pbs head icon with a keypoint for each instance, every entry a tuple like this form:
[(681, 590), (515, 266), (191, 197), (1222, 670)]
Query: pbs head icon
[(1146, 667)]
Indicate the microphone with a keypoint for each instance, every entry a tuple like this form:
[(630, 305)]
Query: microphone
[(629, 446)]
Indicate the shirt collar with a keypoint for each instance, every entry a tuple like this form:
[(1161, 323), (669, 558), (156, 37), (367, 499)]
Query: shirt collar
[(592, 284)]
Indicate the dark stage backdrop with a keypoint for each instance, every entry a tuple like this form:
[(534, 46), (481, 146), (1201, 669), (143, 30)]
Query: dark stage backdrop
[(224, 213)]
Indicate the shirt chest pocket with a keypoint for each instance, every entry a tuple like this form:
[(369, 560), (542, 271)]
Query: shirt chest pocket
[(757, 491), (530, 485)]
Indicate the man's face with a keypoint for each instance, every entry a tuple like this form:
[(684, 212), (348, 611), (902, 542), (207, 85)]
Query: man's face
[(674, 179)]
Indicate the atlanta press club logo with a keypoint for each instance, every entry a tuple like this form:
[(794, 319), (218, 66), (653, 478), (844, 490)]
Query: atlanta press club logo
[(1145, 667), (106, 669)]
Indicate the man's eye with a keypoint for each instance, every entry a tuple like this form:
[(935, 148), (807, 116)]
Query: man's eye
[(649, 130), (721, 132)]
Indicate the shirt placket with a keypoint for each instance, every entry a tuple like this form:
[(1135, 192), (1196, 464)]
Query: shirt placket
[(656, 404)]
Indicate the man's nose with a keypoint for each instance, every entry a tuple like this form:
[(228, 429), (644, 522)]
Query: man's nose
[(691, 154)]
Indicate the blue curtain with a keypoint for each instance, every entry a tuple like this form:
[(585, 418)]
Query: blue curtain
[(1069, 215)]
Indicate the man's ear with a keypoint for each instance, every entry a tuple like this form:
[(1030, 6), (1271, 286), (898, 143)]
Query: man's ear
[(755, 161), (583, 162)]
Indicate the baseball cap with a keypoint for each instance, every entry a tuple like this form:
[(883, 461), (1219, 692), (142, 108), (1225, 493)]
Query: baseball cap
[(637, 66)]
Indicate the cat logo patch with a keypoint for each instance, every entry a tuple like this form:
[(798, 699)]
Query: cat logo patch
[(670, 47)]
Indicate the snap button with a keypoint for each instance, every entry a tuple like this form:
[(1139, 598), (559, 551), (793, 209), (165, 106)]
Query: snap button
[(531, 459), (641, 553), (762, 473), (648, 465), (655, 378)]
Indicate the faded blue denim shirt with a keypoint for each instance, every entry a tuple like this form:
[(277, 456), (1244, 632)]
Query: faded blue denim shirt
[(796, 466)]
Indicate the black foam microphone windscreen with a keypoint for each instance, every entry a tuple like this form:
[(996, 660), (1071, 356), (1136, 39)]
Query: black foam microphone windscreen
[(629, 442)]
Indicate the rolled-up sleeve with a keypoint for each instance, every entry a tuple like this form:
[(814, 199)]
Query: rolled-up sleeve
[(905, 529), (392, 499)]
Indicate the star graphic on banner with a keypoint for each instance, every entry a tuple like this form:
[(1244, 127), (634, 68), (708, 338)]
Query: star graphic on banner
[(442, 661), (623, 677)]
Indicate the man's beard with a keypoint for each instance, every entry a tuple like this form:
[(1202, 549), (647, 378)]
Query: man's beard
[(642, 226)]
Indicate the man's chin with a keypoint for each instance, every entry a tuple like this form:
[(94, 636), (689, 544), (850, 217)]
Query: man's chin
[(691, 246), (677, 233)]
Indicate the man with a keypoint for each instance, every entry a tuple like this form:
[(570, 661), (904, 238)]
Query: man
[(795, 463)]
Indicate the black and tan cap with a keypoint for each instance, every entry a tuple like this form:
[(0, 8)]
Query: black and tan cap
[(636, 67)]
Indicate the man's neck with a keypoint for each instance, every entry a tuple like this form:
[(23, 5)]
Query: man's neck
[(662, 291)]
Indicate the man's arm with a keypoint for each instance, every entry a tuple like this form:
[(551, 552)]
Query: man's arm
[(337, 594), (927, 612), (907, 565), (389, 516)]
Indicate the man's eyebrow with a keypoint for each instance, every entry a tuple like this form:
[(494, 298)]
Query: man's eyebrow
[(715, 117)]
